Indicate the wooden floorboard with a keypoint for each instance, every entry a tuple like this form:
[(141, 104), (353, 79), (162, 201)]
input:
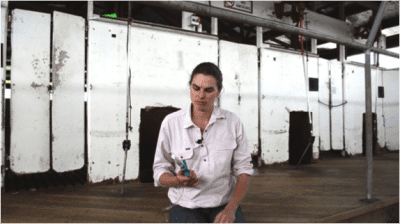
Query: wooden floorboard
[(326, 190)]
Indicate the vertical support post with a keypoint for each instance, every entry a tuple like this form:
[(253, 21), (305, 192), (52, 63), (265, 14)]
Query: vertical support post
[(214, 26), (368, 101), (344, 108), (313, 41), (341, 48), (330, 104), (90, 10), (368, 123), (314, 46), (259, 36), (342, 57), (381, 44), (259, 41)]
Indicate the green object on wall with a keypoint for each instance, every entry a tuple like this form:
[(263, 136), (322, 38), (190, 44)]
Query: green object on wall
[(114, 15)]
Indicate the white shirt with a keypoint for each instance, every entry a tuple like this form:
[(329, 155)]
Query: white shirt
[(218, 160)]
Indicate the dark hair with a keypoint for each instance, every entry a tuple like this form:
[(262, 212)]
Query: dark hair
[(208, 68)]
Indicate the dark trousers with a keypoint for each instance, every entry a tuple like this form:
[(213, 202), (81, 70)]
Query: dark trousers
[(178, 214)]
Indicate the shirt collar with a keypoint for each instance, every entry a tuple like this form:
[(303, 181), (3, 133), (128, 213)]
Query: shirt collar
[(216, 114)]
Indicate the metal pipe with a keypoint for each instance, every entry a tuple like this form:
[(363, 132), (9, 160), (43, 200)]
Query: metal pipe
[(368, 123), (256, 21), (368, 99), (330, 106), (344, 107), (377, 23), (259, 34)]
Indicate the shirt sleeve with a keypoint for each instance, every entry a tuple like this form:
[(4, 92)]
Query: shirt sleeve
[(241, 161), (163, 162)]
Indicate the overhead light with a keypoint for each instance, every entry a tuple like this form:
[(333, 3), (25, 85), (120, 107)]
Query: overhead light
[(391, 31), (328, 45)]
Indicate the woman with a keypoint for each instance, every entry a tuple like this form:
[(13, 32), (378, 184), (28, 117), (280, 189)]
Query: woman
[(214, 145)]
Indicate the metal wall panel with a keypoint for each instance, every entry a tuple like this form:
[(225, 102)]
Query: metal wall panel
[(68, 92), (107, 80), (4, 21), (239, 66), (379, 111), (337, 99), (30, 129), (323, 94), (162, 61), (391, 108), (354, 91), (282, 91)]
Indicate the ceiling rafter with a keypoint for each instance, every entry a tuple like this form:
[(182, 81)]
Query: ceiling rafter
[(167, 15)]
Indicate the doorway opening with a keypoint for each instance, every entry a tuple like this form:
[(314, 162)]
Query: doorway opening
[(299, 136), (151, 119)]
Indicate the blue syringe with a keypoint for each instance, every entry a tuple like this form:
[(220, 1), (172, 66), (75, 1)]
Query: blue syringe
[(182, 165)]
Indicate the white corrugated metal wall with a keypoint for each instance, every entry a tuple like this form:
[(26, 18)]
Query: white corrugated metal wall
[(239, 64), (391, 108), (30, 104), (283, 90), (161, 61), (68, 91)]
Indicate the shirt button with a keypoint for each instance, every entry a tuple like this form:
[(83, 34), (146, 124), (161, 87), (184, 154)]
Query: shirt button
[(202, 146), (205, 160), (205, 131)]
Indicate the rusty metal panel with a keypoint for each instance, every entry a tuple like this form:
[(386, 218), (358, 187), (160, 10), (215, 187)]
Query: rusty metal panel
[(107, 81), (30, 122), (337, 99), (162, 61), (283, 90), (325, 137), (68, 92), (239, 66), (391, 108)]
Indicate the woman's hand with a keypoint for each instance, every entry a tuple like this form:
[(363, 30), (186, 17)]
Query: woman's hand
[(190, 181), (226, 216)]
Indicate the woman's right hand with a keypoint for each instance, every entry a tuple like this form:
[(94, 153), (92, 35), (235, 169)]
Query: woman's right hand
[(190, 181)]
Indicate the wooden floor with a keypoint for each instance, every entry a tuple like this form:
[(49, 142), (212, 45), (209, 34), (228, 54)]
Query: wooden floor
[(329, 190)]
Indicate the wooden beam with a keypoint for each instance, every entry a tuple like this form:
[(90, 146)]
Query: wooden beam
[(370, 5), (326, 5), (286, 45), (271, 34), (167, 15), (391, 42), (40, 7), (350, 9)]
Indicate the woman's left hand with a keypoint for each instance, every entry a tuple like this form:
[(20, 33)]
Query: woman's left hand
[(226, 216)]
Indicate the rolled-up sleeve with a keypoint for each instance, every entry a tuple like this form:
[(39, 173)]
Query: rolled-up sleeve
[(241, 160), (163, 162)]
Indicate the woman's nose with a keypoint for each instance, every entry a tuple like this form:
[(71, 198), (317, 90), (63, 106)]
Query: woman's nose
[(202, 94)]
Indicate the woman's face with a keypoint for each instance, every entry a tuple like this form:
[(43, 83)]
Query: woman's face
[(203, 92)]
